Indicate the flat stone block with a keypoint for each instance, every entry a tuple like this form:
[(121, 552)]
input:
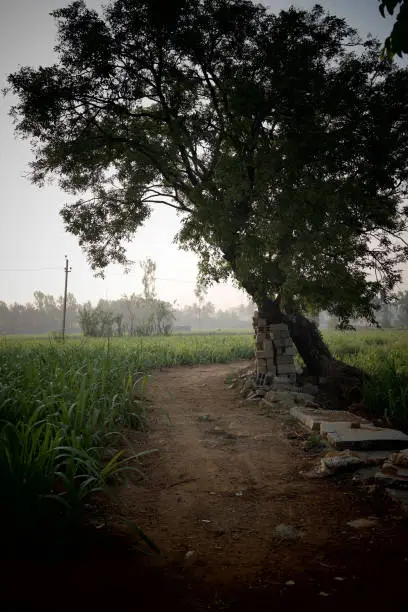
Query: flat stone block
[(374, 456), (268, 345), (283, 359), (264, 354), (367, 437), (288, 368), (317, 419), (281, 344), (271, 365), (276, 327)]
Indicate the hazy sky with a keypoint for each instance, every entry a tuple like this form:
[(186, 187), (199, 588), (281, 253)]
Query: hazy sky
[(32, 237)]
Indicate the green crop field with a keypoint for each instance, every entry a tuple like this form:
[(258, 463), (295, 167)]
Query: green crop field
[(63, 404)]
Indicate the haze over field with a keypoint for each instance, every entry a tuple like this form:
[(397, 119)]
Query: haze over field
[(32, 237)]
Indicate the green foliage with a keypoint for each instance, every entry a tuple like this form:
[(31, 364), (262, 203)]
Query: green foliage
[(280, 139), (397, 42), (98, 322)]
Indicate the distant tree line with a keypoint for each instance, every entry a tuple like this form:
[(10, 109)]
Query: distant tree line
[(136, 315), (42, 315), (389, 315), (132, 315)]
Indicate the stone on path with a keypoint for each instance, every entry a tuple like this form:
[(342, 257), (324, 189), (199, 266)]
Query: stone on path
[(400, 458), (287, 532), (340, 462), (367, 437)]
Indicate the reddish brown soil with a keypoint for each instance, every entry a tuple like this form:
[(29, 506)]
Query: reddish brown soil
[(218, 486)]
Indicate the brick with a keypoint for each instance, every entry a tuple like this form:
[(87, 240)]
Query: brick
[(261, 367), (286, 369), (264, 354), (282, 359), (271, 365)]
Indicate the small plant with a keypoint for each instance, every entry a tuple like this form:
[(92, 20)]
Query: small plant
[(315, 444)]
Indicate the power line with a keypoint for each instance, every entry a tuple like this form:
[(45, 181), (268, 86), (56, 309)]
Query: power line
[(28, 269), (122, 274), (158, 278)]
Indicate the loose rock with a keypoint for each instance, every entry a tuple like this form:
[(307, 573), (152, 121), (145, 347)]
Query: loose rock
[(339, 462), (287, 532), (189, 555)]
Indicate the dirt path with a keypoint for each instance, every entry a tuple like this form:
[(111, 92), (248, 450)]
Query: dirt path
[(226, 475)]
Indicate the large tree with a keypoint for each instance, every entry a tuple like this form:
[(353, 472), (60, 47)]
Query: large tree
[(281, 140)]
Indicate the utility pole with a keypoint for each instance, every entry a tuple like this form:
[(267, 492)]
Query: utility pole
[(64, 315)]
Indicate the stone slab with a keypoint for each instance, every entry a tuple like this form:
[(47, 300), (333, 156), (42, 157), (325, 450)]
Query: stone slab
[(374, 456), (367, 437), (313, 418)]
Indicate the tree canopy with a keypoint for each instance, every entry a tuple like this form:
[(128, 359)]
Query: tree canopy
[(397, 41), (280, 139)]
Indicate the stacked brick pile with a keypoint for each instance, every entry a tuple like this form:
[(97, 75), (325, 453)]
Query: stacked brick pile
[(275, 352)]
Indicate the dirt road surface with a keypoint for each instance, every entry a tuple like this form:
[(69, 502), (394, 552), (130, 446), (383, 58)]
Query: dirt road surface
[(226, 477)]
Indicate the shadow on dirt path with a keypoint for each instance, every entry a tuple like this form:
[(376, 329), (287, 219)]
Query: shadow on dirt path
[(225, 477)]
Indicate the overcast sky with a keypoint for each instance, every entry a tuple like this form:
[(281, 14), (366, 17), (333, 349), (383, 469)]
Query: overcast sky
[(33, 241)]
